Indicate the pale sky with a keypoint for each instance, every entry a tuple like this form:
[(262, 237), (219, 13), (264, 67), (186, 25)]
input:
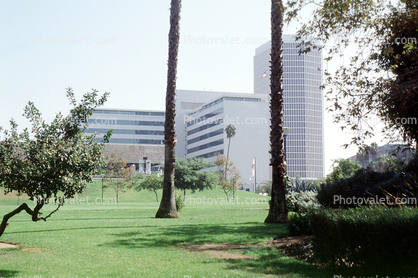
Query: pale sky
[(122, 46)]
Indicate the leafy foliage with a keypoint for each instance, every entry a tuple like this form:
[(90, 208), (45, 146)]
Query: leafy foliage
[(229, 180), (119, 174), (374, 237), (299, 224), (365, 185), (378, 81), (188, 174), (179, 201), (152, 182), (52, 160), (342, 169), (301, 196)]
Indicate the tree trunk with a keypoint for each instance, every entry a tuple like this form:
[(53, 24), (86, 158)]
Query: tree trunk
[(156, 195), (34, 213), (278, 208), (184, 195), (168, 207), (227, 158), (227, 197)]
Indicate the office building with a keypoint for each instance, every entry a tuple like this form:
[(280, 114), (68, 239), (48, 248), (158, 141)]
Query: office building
[(201, 130), (138, 135), (303, 105)]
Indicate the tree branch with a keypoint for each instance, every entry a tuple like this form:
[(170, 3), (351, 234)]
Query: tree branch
[(23, 206)]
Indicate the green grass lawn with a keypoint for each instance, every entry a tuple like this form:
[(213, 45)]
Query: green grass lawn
[(90, 239)]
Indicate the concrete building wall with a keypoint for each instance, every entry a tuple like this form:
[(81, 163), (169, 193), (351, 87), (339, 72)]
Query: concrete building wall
[(204, 133), (187, 101)]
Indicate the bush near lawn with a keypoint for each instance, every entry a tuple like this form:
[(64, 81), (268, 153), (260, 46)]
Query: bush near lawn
[(299, 223), (367, 237), (364, 185)]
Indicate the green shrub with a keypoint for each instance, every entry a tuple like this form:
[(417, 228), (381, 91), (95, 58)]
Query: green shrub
[(301, 196), (364, 185), (299, 224), (302, 201), (372, 237), (179, 201)]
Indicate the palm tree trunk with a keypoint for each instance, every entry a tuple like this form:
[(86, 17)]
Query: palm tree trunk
[(278, 208), (168, 204), (227, 157)]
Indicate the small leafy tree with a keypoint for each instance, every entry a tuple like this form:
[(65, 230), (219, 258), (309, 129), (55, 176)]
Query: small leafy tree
[(152, 182), (229, 181), (51, 160), (342, 169), (118, 174), (188, 175)]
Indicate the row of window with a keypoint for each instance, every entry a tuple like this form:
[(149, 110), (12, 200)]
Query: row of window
[(307, 131), (313, 65), (306, 119), (300, 64), (212, 103), (305, 162), (293, 75), (121, 112), (242, 99), (192, 121), (303, 137), (205, 136), (124, 122), (303, 106), (312, 113), (134, 141), (127, 131), (302, 94), (304, 150), (206, 126), (211, 154), (293, 69), (206, 146), (308, 175), (314, 71), (293, 81), (293, 57)]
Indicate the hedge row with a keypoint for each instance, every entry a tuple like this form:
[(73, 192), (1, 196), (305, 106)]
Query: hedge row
[(370, 237), (363, 188)]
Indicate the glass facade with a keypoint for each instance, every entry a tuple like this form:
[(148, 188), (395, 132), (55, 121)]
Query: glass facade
[(303, 106)]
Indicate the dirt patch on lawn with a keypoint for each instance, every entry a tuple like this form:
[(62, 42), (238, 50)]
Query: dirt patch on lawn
[(7, 245), (286, 241), (220, 250)]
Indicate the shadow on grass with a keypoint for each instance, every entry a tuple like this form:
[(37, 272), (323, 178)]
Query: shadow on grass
[(198, 234), (8, 273), (273, 262), (266, 260)]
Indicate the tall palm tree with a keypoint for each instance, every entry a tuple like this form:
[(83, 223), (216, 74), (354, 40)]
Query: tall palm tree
[(230, 131), (168, 204), (278, 208)]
